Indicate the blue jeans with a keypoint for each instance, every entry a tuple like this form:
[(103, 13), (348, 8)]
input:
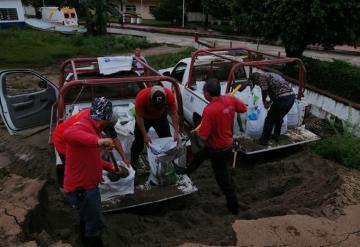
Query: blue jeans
[(274, 119), (88, 202)]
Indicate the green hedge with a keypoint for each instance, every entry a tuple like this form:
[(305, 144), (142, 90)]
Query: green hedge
[(343, 147), (338, 77)]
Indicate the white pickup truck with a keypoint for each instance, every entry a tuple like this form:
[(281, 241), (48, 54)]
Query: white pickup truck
[(29, 100), (233, 67)]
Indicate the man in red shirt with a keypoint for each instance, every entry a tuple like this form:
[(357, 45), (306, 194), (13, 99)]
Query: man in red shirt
[(216, 131), (60, 144), (83, 170), (152, 106)]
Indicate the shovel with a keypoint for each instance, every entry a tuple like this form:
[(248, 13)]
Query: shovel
[(119, 172)]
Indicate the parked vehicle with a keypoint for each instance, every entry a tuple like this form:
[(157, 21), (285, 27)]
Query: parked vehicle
[(54, 19), (29, 100), (233, 66)]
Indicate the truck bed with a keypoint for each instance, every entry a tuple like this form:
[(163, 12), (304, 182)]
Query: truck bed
[(293, 137)]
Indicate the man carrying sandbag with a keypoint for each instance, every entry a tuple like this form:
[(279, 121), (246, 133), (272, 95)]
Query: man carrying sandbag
[(216, 131), (60, 145), (152, 105), (282, 97)]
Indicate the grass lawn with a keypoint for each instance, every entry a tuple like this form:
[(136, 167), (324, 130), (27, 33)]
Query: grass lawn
[(168, 60), (154, 22), (27, 47)]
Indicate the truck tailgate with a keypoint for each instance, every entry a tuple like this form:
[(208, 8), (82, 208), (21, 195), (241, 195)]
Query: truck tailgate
[(145, 195), (293, 137)]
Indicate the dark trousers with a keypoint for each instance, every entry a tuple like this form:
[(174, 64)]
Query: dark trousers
[(279, 108), (220, 163), (60, 170), (162, 129), (88, 203)]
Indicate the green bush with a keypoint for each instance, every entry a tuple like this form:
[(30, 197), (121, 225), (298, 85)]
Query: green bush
[(338, 77), (168, 60), (29, 47), (343, 147)]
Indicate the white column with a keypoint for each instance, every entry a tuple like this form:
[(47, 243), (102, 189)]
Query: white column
[(183, 15)]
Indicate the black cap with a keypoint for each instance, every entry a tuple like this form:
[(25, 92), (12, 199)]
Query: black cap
[(158, 96)]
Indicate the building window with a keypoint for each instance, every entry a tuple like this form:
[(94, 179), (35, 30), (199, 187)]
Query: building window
[(130, 8), (8, 14), (152, 9)]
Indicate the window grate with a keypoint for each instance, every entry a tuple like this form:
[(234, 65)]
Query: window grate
[(130, 8), (8, 14)]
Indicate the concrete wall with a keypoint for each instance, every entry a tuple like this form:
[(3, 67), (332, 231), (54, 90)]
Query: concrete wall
[(200, 17), (142, 7)]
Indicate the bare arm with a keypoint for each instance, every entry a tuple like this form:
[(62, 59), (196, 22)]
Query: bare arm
[(141, 125)]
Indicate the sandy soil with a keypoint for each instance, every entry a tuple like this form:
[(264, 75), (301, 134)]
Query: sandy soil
[(288, 184), (292, 197)]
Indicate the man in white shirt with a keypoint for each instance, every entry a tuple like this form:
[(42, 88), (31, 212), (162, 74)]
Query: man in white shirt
[(136, 64)]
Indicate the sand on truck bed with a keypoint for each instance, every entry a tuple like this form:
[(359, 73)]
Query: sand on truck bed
[(281, 183)]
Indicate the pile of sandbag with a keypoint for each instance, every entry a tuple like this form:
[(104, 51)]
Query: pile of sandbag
[(251, 123)]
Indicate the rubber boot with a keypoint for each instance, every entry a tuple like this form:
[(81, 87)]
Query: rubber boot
[(94, 242), (232, 205)]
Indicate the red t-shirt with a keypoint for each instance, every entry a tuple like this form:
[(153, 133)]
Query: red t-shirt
[(83, 161), (145, 109), (59, 130), (218, 120)]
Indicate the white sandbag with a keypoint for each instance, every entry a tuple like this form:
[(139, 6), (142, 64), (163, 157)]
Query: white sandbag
[(123, 186), (255, 122), (293, 116), (301, 104), (257, 99), (161, 152), (253, 99), (111, 65), (125, 128), (284, 126)]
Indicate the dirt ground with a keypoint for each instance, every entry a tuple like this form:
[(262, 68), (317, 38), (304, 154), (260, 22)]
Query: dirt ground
[(283, 193), (291, 183)]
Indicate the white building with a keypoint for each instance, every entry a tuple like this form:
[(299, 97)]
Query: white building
[(143, 8), (11, 13)]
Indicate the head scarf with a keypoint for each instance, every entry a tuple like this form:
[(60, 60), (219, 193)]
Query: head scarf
[(101, 109)]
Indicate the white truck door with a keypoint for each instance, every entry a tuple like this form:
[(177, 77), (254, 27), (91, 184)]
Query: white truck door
[(26, 99)]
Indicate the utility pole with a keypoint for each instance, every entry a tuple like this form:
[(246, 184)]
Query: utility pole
[(183, 14), (141, 8)]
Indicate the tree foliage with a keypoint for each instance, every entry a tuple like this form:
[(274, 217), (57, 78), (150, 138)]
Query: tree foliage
[(216, 8), (298, 23), (169, 10)]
